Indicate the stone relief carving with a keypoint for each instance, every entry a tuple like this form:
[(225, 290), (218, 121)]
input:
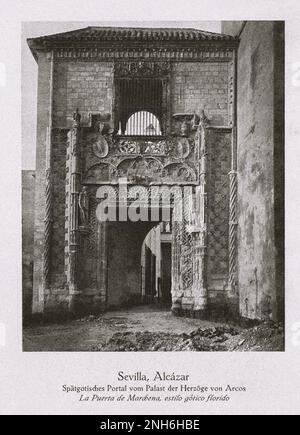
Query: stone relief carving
[(100, 146), (76, 118), (83, 203), (128, 147), (142, 68), (180, 172), (160, 147), (97, 172), (173, 158), (184, 129), (101, 129), (140, 169), (142, 146), (214, 54), (183, 148)]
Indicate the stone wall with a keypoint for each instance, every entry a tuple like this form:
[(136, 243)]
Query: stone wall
[(202, 85), (42, 151), (88, 86), (219, 165), (28, 184), (59, 145), (83, 85), (260, 167)]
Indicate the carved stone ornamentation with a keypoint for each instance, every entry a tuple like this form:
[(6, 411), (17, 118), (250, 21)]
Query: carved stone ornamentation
[(214, 54), (142, 146), (129, 147), (140, 169), (169, 159), (232, 228), (48, 229), (83, 203), (76, 118), (180, 172), (199, 225), (183, 148), (100, 146), (97, 173), (203, 121), (142, 68), (184, 129)]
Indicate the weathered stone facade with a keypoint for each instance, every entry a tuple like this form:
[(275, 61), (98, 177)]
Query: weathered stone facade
[(260, 165), (28, 186), (86, 85), (81, 265)]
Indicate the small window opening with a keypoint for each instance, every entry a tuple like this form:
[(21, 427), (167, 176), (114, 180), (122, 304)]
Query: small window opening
[(142, 123), (139, 106)]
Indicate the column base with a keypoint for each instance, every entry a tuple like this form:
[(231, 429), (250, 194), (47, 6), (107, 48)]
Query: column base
[(82, 305), (200, 303), (75, 302), (200, 313), (176, 308)]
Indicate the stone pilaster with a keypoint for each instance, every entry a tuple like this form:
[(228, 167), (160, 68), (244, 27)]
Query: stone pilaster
[(75, 184), (233, 180), (199, 226), (232, 228)]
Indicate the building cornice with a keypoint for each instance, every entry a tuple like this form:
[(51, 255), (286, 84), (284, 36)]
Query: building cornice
[(109, 43)]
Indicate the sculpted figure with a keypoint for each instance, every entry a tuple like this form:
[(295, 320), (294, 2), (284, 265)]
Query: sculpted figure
[(183, 148), (204, 121), (83, 203), (184, 129), (77, 117)]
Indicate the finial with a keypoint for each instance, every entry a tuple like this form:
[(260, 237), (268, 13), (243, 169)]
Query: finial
[(77, 117), (204, 121)]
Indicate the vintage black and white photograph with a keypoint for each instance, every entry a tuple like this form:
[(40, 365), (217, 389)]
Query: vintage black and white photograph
[(153, 186)]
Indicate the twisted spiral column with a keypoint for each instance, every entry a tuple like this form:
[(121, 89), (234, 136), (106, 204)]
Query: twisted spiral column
[(232, 227), (48, 229)]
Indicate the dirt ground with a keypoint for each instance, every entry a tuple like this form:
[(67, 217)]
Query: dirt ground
[(149, 329)]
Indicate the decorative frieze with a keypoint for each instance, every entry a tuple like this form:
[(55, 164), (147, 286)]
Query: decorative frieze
[(141, 69), (212, 54), (171, 159)]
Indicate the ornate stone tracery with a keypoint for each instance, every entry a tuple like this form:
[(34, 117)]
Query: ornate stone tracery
[(169, 159), (141, 68)]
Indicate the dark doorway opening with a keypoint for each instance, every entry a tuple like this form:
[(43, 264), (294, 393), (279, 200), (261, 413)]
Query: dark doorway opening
[(156, 267)]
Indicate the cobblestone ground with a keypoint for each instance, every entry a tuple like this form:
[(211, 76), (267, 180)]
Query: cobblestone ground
[(149, 329)]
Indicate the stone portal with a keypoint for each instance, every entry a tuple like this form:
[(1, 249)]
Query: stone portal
[(135, 116)]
